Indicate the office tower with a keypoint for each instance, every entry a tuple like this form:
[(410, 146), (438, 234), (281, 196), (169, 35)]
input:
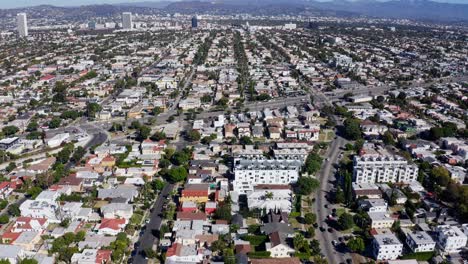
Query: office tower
[(22, 24), (194, 22), (127, 20)]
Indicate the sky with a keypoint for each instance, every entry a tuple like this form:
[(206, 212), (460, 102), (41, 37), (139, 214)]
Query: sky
[(24, 3)]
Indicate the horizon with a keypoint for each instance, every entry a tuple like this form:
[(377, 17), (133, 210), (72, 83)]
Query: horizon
[(7, 4)]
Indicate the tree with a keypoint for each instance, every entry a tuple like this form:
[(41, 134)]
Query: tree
[(205, 99), (33, 192), (388, 139), (310, 218), (150, 253), (356, 244), (3, 204), (157, 185), (346, 221), (339, 196), (28, 261), (55, 122), (348, 186), (92, 109), (180, 158), (263, 97), (268, 195), (10, 130), (4, 219), (218, 245), (4, 261), (440, 175), (313, 163), (14, 210), (32, 126), (177, 174), (156, 111), (64, 155), (245, 140), (223, 102), (224, 211), (159, 135), (143, 133), (193, 135), (11, 166), (207, 139), (352, 131), (310, 232), (307, 185), (78, 154)]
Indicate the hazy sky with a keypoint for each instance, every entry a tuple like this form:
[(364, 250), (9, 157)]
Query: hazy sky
[(23, 3)]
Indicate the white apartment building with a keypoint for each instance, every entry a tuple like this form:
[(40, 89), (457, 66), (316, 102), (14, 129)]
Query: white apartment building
[(450, 239), (381, 220), (420, 241), (291, 154), (41, 209), (374, 205), (383, 167), (270, 197), (250, 173), (386, 247), (127, 20), (22, 24)]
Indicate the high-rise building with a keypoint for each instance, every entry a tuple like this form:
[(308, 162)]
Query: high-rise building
[(127, 20), (22, 24), (194, 22)]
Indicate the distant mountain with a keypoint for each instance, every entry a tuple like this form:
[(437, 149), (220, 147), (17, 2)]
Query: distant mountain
[(254, 7), (410, 9), (150, 4), (76, 13)]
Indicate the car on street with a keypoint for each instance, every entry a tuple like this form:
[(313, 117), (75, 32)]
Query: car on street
[(322, 229), (334, 243)]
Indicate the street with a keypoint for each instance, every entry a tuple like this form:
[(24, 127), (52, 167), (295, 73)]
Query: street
[(326, 178), (147, 240)]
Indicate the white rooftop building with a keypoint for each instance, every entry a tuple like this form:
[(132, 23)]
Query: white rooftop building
[(450, 239), (386, 247), (270, 198), (250, 173), (420, 241), (378, 165)]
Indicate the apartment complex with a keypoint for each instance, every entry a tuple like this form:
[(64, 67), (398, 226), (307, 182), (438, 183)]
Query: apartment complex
[(250, 173), (379, 165)]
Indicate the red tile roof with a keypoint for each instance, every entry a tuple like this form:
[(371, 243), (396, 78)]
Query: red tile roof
[(114, 224)]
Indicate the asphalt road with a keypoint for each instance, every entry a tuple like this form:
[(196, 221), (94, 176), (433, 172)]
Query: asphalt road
[(326, 178), (147, 239)]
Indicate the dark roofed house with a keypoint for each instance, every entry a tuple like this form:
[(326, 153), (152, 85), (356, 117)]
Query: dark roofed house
[(276, 227)]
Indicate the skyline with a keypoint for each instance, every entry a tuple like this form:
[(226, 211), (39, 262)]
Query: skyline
[(6, 4)]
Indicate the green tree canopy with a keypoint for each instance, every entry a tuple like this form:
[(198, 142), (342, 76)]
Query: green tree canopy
[(356, 244), (307, 185), (346, 221)]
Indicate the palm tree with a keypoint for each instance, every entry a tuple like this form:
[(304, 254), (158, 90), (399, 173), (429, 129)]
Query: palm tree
[(268, 195)]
